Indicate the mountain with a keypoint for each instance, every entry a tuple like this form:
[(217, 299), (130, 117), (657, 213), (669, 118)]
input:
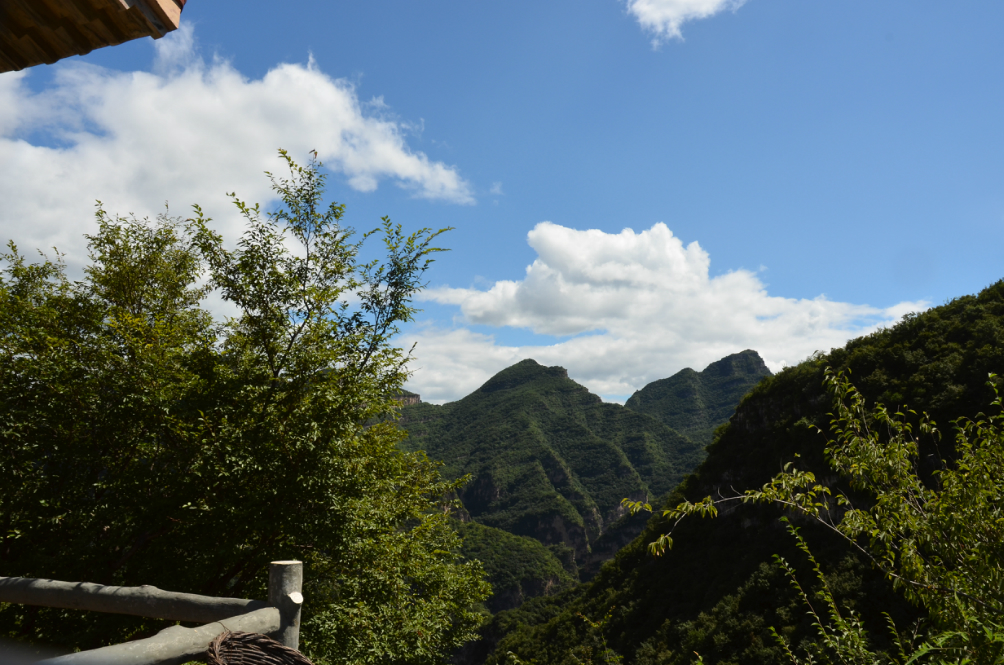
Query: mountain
[(696, 403), (550, 460), (718, 591)]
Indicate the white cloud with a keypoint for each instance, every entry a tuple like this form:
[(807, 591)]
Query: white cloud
[(664, 18), (496, 189), (188, 132), (177, 51), (449, 364), (637, 307)]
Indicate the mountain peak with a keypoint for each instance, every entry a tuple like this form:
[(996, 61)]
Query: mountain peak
[(695, 403), (523, 372), (744, 363)]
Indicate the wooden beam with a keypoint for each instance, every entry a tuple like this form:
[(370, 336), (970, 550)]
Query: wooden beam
[(144, 601), (174, 645)]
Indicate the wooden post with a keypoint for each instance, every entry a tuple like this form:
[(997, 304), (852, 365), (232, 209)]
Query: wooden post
[(285, 581)]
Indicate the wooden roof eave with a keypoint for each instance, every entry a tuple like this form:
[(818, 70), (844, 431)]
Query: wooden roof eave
[(34, 32)]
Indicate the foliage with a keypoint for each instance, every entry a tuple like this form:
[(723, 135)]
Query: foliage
[(842, 638), (145, 444), (939, 541), (595, 648), (736, 630), (695, 404)]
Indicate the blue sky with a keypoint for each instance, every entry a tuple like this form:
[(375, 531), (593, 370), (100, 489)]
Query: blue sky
[(837, 164)]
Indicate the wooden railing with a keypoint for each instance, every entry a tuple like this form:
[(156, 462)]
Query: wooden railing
[(279, 617)]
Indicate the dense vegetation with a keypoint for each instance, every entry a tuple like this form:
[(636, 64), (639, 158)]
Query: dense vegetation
[(517, 567), (718, 591), (695, 404), (143, 443), (548, 459), (937, 539)]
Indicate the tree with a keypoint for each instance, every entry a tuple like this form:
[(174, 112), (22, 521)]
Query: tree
[(939, 539), (144, 443)]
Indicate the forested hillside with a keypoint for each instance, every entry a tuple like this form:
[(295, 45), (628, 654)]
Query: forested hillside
[(696, 403), (718, 591), (518, 567), (549, 459)]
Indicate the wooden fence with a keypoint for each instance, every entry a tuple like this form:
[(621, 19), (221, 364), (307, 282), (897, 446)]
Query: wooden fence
[(279, 617)]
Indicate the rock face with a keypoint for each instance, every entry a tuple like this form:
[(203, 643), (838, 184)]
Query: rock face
[(406, 398), (549, 459), (697, 403)]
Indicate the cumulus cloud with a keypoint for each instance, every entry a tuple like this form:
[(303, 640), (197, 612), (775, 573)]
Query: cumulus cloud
[(627, 309), (663, 18), (187, 132)]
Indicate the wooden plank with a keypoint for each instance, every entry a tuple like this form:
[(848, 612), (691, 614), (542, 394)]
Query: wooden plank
[(168, 11), (144, 601)]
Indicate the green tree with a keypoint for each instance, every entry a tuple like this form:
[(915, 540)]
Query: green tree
[(144, 443), (938, 537)]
